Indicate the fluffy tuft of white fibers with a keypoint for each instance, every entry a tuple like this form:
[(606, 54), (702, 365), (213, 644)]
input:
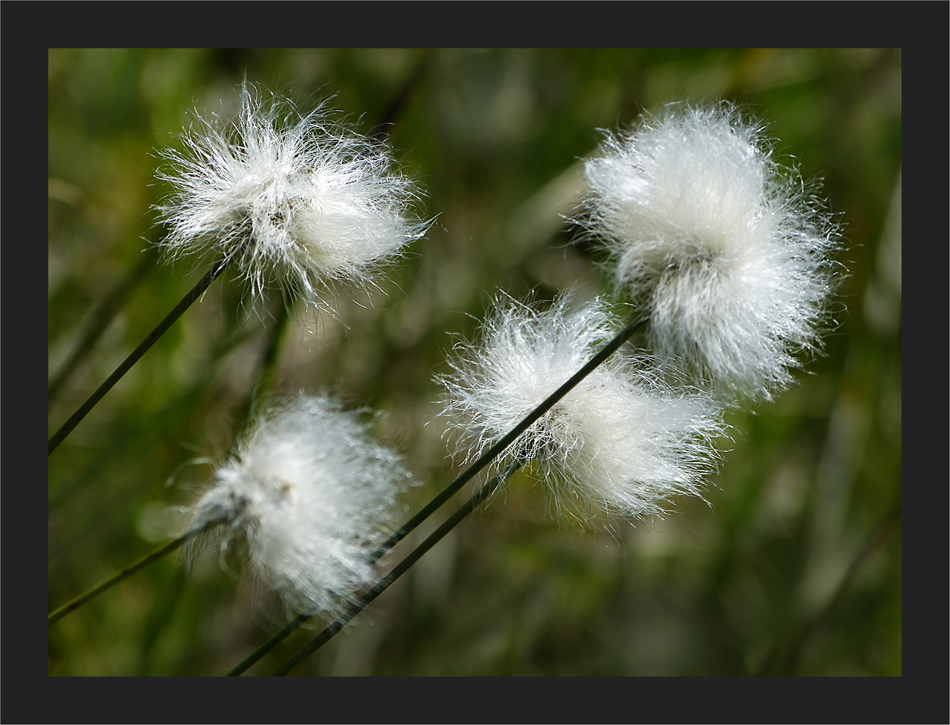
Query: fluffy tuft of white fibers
[(724, 246), (310, 495), (295, 199), (618, 443)]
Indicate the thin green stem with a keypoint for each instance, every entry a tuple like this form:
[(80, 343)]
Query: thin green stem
[(124, 573), (327, 634), (467, 475), (265, 371), (152, 338)]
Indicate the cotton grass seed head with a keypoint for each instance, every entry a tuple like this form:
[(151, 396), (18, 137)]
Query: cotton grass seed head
[(295, 199), (311, 495), (722, 244), (617, 443)]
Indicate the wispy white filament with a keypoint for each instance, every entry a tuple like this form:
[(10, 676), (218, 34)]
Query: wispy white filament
[(618, 442), (719, 241), (295, 199), (312, 495)]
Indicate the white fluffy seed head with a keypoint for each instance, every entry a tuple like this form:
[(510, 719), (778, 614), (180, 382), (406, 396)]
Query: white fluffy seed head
[(312, 495), (729, 254), (618, 443), (294, 199)]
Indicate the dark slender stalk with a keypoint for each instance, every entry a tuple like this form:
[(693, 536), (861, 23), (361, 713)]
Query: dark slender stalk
[(99, 321), (275, 640), (152, 338), (327, 634), (450, 490), (124, 573), (489, 455)]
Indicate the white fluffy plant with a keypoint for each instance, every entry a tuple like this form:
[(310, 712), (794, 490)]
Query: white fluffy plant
[(293, 199), (308, 496), (718, 242), (617, 443), (282, 197)]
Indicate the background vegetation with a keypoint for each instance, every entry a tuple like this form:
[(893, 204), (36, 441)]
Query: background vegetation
[(795, 568)]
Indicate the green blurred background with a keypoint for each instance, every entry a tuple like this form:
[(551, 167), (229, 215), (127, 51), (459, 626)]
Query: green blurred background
[(793, 569)]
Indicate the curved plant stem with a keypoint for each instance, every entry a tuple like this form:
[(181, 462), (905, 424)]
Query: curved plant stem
[(467, 475), (152, 338), (124, 573), (400, 569)]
